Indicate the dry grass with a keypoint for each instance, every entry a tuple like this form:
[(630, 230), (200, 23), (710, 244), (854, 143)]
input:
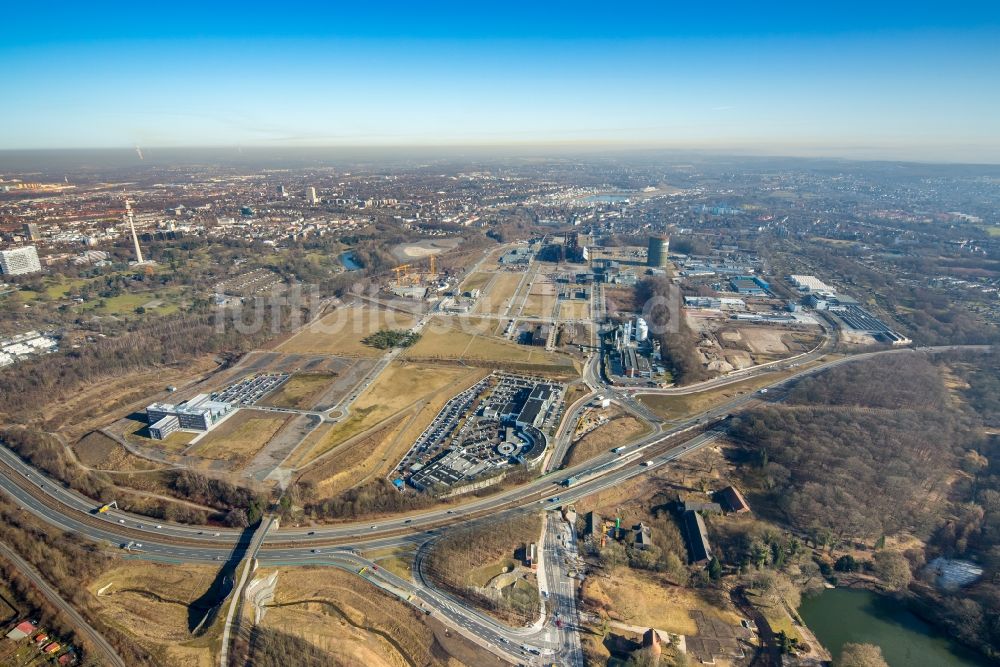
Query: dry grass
[(351, 620), (618, 430), (495, 300), (446, 340), (240, 437), (341, 331), (96, 450), (642, 599), (684, 405), (574, 310), (476, 281), (417, 389), (95, 404), (149, 602), (301, 391), (398, 560), (539, 305)]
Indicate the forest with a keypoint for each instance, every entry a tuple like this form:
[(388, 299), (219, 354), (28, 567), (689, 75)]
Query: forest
[(464, 550), (884, 447)]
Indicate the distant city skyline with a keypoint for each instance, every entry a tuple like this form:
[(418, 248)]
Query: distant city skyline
[(879, 80)]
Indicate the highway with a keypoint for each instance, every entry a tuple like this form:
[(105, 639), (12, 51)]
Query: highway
[(338, 545)]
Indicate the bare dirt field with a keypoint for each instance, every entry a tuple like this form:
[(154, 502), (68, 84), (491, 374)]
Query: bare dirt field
[(240, 437), (764, 341), (408, 251), (149, 602), (620, 300), (340, 332)]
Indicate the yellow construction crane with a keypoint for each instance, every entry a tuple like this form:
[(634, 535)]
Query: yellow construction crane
[(401, 271), (433, 265)]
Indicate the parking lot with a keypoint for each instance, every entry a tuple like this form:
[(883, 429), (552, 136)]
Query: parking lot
[(250, 389)]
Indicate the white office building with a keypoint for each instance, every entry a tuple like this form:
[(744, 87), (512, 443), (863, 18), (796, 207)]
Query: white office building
[(18, 261)]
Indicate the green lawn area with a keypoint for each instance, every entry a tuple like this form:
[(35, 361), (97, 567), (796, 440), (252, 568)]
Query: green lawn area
[(992, 230), (777, 617), (482, 575), (124, 304)]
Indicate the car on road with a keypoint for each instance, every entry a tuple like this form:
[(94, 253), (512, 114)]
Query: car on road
[(311, 532), (121, 521), (158, 526), (316, 551)]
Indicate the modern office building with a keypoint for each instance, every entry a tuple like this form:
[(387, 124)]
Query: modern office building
[(18, 261), (311, 195), (656, 254), (281, 191), (32, 232), (198, 414)]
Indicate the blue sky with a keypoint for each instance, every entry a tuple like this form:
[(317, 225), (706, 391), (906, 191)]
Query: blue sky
[(875, 79)]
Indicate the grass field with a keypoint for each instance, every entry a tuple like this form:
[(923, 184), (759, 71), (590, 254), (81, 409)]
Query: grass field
[(149, 602), (574, 310), (776, 615), (98, 403), (617, 431), (301, 391), (340, 332), (351, 620), (168, 300), (477, 280), (539, 305), (642, 599), (398, 560), (495, 300), (96, 450), (401, 387), (240, 437), (445, 340), (684, 405)]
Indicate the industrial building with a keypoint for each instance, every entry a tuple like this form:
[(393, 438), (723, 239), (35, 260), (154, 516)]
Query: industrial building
[(750, 285), (656, 253), (811, 284), (197, 414), (19, 261)]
